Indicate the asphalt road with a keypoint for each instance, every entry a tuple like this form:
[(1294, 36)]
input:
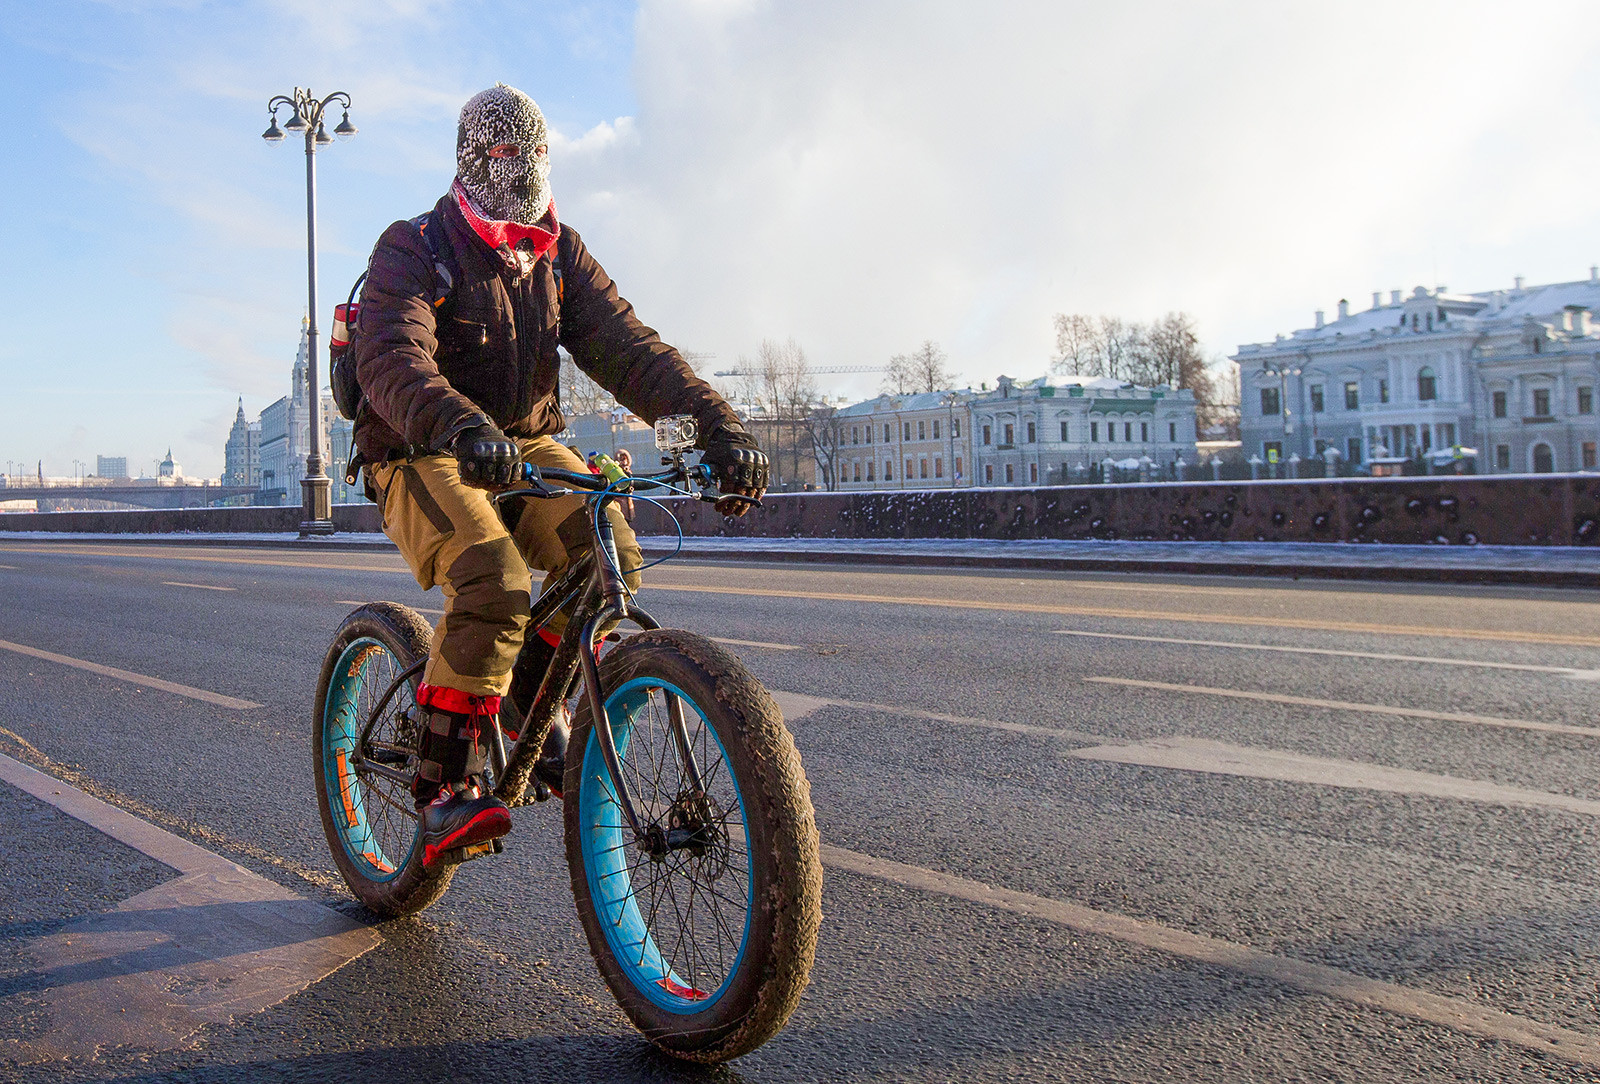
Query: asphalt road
[(1076, 827)]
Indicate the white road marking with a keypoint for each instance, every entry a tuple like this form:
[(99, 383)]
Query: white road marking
[(1219, 758), (132, 678), (201, 586), (1344, 705), (754, 643), (1564, 671), (796, 706), (1461, 1015), (13, 568), (214, 944)]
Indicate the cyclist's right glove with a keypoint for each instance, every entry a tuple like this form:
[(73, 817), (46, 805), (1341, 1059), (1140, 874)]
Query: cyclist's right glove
[(487, 457), (736, 460)]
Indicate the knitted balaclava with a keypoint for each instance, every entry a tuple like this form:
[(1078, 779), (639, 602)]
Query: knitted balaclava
[(507, 187)]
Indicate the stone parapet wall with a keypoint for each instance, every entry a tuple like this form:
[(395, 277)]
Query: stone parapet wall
[(1543, 510), (1516, 510)]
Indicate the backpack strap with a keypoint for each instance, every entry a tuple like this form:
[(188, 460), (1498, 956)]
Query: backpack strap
[(445, 273)]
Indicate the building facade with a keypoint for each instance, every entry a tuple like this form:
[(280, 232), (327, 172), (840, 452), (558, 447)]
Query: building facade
[(1055, 431), (1504, 377), (919, 441), (285, 436), (111, 466), (241, 457)]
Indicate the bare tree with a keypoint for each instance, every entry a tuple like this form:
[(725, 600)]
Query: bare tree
[(1077, 345), (927, 368), (1098, 346), (900, 378), (579, 393), (1166, 351), (823, 432)]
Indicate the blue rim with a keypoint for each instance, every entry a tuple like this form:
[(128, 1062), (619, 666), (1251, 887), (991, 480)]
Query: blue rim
[(605, 846), (341, 729)]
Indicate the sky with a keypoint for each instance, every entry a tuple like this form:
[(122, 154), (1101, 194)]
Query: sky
[(860, 175)]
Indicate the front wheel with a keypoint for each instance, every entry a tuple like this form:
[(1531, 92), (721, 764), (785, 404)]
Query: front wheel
[(705, 931)]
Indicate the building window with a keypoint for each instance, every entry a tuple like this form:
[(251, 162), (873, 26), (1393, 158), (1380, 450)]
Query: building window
[(1352, 395), (1111, 432), (1383, 390), (1144, 432), (1063, 432), (988, 474), (955, 427), (1127, 431), (1270, 402), (1033, 433), (1172, 432), (1352, 450), (1541, 403), (907, 476), (872, 465), (1011, 475), (1502, 457), (1544, 460), (958, 468), (1033, 472), (1588, 454), (986, 434), (1499, 404), (868, 431), (1585, 400), (1427, 385), (1094, 432), (922, 468), (886, 437), (858, 470), (1011, 434), (1316, 398), (922, 431), (906, 430), (938, 467), (888, 470), (1447, 434), (936, 429)]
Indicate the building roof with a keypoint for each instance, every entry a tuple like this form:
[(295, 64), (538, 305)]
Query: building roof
[(1486, 310), (924, 400)]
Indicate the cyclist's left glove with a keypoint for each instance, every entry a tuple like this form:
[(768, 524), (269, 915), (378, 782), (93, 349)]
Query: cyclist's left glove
[(737, 462), (487, 457)]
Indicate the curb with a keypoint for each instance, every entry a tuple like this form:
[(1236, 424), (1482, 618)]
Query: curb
[(1410, 572)]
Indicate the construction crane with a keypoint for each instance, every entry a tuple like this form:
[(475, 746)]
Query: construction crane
[(825, 370)]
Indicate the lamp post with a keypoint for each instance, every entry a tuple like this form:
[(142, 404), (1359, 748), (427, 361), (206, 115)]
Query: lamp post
[(306, 113), (1284, 373)]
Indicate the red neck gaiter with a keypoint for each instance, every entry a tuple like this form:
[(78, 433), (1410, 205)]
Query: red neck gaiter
[(504, 237)]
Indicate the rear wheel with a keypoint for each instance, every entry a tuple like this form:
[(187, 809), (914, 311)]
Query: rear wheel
[(706, 929), (363, 776)]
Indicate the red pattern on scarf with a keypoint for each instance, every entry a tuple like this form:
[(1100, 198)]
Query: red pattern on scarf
[(496, 234)]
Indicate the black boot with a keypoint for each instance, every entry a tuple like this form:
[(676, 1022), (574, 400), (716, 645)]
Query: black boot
[(455, 810)]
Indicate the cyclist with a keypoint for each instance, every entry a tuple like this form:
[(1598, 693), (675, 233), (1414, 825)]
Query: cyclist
[(459, 384)]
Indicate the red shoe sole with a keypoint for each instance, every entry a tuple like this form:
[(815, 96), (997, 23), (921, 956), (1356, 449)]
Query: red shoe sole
[(490, 824)]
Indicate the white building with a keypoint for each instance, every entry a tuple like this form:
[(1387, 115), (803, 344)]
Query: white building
[(919, 441), (1508, 373), (1052, 431), (285, 434)]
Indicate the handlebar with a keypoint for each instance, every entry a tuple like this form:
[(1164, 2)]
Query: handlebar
[(545, 482)]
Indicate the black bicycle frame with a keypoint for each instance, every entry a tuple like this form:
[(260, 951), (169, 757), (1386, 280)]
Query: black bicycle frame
[(596, 600)]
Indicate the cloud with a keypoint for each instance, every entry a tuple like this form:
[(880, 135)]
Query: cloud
[(867, 175)]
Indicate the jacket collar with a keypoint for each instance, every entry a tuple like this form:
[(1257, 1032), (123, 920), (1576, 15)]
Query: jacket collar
[(518, 246)]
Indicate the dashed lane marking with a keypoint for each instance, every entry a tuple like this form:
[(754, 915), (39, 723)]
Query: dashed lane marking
[(213, 945), (1459, 1014), (132, 678), (754, 643), (1205, 756), (1345, 705), (1518, 636), (796, 706), (12, 568), (1565, 671), (201, 586)]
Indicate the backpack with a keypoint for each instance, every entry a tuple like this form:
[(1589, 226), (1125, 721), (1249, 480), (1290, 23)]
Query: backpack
[(346, 319)]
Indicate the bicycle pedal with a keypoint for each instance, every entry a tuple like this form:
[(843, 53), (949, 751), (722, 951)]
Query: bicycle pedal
[(541, 793), (455, 856)]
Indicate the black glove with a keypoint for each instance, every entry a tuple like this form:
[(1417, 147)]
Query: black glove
[(487, 456), (735, 459)]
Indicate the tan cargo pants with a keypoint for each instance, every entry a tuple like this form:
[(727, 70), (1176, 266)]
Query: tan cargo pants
[(452, 537)]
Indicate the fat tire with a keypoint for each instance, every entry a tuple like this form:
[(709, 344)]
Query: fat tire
[(787, 881), (406, 634)]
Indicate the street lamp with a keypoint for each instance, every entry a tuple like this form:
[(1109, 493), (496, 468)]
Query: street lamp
[(1284, 373), (305, 115), (949, 401)]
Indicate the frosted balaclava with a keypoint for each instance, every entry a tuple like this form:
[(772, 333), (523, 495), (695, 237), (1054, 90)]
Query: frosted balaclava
[(507, 187)]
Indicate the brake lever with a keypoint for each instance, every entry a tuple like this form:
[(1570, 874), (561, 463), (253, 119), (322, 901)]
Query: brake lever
[(712, 497)]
